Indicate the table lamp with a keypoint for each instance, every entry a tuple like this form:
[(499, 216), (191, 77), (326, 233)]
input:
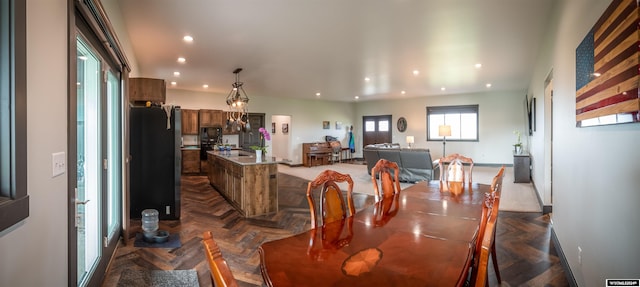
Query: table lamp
[(444, 131), (410, 140)]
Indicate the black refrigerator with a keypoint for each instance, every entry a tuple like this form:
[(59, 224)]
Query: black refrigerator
[(156, 159)]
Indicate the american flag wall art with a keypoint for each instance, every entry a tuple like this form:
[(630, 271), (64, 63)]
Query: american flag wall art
[(607, 68)]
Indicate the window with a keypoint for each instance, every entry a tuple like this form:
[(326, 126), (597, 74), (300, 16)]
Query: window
[(462, 119), (14, 201)]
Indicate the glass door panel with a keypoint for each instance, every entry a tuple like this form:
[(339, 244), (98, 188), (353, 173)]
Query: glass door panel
[(88, 199), (114, 156)]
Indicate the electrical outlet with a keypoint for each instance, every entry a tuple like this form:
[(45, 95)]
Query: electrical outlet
[(579, 255)]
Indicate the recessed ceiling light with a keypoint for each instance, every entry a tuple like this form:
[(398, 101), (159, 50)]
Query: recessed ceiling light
[(181, 60), (205, 86), (416, 72), (188, 39), (403, 92), (318, 94), (356, 97), (488, 85), (173, 83), (443, 88), (176, 73), (366, 79), (478, 65)]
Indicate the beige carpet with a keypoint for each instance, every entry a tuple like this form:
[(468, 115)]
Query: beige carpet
[(515, 196)]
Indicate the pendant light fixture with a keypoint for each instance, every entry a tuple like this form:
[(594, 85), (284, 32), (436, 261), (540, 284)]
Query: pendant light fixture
[(238, 103)]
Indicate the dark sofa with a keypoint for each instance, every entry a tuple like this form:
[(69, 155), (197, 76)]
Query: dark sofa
[(415, 164)]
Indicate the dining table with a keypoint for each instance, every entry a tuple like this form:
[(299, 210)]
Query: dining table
[(422, 236)]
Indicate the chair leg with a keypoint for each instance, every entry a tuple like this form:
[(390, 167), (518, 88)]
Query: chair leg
[(495, 261)]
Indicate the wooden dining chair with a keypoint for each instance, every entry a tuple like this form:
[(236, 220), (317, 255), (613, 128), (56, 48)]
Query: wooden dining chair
[(496, 188), (452, 158), (336, 151), (332, 205), (220, 273), (479, 275), (388, 186), (489, 209), (496, 183)]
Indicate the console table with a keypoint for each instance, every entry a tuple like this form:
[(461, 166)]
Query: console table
[(521, 167)]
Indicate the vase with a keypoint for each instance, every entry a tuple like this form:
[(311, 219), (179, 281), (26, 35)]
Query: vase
[(518, 149), (258, 155)]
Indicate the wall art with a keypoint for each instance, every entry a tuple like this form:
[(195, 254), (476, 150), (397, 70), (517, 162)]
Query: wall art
[(607, 62)]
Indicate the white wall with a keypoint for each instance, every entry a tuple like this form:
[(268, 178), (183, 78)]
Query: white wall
[(540, 143), (112, 8), (34, 252), (500, 113), (595, 169), (279, 140)]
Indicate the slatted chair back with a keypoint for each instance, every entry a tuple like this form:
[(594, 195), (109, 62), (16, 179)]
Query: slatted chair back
[(331, 204), (220, 273), (388, 185)]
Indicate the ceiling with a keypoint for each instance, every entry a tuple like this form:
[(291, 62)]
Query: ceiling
[(298, 48)]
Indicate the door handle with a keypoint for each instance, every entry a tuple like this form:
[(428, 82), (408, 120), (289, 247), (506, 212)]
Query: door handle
[(76, 203), (81, 201)]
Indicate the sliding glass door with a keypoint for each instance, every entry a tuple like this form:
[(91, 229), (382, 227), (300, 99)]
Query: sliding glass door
[(99, 163)]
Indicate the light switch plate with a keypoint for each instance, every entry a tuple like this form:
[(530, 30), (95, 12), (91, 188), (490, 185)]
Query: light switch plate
[(59, 163)]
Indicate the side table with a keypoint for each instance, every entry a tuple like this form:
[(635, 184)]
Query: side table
[(521, 167)]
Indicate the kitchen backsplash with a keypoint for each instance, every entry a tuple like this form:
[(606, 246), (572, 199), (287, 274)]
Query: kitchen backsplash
[(190, 140)]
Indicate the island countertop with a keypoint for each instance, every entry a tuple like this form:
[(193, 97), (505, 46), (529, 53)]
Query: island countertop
[(251, 187), (244, 158)]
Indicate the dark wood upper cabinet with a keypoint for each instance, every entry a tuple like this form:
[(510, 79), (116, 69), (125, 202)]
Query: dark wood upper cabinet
[(146, 89), (211, 118), (189, 122)]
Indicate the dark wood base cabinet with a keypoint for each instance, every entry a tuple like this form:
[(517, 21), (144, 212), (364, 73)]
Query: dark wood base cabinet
[(251, 188), (190, 161)]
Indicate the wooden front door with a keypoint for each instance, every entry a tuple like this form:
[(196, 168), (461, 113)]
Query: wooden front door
[(377, 129)]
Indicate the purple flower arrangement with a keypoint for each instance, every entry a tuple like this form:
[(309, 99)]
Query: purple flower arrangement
[(264, 134)]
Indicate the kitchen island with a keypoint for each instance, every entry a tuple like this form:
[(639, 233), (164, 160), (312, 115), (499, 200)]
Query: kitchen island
[(250, 186)]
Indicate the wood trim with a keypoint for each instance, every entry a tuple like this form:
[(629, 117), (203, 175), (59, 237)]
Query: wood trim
[(563, 259), (93, 12), (545, 208), (14, 206)]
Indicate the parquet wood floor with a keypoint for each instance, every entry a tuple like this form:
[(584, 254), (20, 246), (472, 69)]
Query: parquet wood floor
[(526, 254)]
